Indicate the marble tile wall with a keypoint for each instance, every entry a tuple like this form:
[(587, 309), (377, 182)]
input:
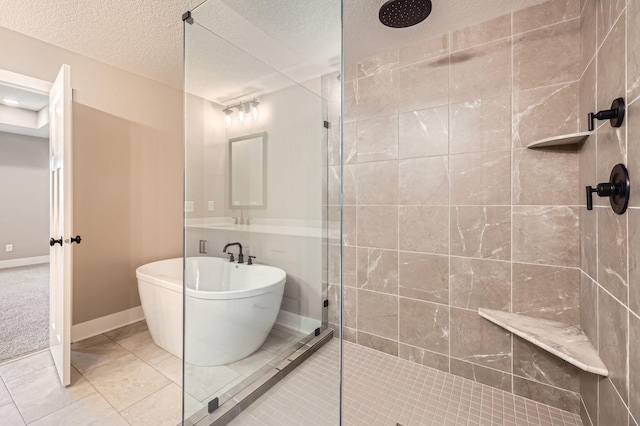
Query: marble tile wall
[(446, 210), (610, 243)]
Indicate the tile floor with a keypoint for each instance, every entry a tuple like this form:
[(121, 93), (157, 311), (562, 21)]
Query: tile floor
[(380, 389), (118, 378)]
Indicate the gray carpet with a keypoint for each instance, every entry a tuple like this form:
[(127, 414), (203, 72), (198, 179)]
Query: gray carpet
[(24, 310)]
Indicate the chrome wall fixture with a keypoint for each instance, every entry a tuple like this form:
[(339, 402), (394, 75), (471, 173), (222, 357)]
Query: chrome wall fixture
[(244, 109)]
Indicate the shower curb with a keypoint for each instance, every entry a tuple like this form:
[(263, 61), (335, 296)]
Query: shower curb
[(273, 374)]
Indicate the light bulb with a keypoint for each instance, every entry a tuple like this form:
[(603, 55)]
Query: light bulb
[(227, 118), (241, 114), (254, 110)]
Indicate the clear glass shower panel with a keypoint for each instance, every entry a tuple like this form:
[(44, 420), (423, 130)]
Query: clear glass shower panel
[(257, 214)]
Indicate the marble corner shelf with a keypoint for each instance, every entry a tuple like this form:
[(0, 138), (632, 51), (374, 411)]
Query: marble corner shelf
[(570, 139), (565, 341)]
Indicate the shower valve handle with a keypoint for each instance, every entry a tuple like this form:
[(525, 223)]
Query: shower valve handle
[(607, 189), (617, 189), (615, 115)]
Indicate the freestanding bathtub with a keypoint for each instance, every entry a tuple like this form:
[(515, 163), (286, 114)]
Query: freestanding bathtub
[(231, 307)]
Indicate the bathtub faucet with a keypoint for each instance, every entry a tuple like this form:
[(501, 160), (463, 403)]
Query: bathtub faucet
[(240, 255)]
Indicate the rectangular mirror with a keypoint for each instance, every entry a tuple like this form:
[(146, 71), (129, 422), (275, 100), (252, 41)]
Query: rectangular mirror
[(247, 172)]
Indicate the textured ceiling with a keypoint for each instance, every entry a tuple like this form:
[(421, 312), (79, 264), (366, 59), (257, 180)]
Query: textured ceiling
[(293, 38)]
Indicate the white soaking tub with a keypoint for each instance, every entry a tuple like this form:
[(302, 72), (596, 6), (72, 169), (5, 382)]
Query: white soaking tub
[(231, 307)]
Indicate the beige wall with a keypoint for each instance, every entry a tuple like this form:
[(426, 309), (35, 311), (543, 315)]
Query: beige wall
[(127, 171), (610, 243), (446, 210), (24, 191)]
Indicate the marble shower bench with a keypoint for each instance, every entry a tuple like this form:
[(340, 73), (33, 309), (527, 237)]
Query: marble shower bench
[(565, 341)]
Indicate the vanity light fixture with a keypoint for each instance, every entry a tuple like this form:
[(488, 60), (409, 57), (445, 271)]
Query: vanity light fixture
[(10, 102), (245, 109)]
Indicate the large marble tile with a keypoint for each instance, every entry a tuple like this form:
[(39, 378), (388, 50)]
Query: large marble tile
[(634, 365), (424, 357), (555, 397), (589, 395), (480, 283), (481, 231), (546, 292), (375, 226), (633, 148), (608, 13), (93, 410), (424, 133), (424, 277), (425, 325), (633, 50), (480, 178), (546, 105), (417, 174), (589, 308), (484, 375), (611, 409), (378, 139), (535, 171), (544, 14), (492, 61), (163, 408), (534, 363), (377, 183), (423, 228), (384, 61), (476, 340), (378, 314), (5, 397), (142, 346), (547, 56), (587, 101), (378, 343), (612, 338), (611, 68), (127, 331), (25, 366), (171, 368), (485, 32), (350, 102), (424, 84), (634, 260), (349, 259), (588, 242), (39, 393), (546, 234), (612, 253), (377, 95), (588, 35), (378, 270), (94, 352), (10, 415), (125, 381), (481, 125), (349, 305), (420, 50)]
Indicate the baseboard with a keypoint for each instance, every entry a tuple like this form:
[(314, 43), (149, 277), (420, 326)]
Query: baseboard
[(25, 261), (297, 322), (101, 325)]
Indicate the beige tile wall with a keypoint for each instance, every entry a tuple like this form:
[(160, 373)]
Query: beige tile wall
[(610, 244), (447, 211)]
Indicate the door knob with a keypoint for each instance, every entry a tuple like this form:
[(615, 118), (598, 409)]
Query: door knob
[(75, 239), (53, 242)]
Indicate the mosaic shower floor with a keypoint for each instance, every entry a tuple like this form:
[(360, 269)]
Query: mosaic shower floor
[(380, 389)]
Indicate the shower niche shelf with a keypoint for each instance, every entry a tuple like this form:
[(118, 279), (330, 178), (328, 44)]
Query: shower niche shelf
[(570, 139), (567, 342)]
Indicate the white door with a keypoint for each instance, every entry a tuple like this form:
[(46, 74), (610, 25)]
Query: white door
[(61, 214)]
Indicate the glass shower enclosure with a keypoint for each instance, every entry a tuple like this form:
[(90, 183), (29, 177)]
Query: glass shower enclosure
[(262, 124)]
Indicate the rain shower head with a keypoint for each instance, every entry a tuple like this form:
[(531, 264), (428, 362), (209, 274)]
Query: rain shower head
[(404, 13)]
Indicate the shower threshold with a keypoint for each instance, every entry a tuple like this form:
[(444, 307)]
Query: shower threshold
[(260, 382)]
